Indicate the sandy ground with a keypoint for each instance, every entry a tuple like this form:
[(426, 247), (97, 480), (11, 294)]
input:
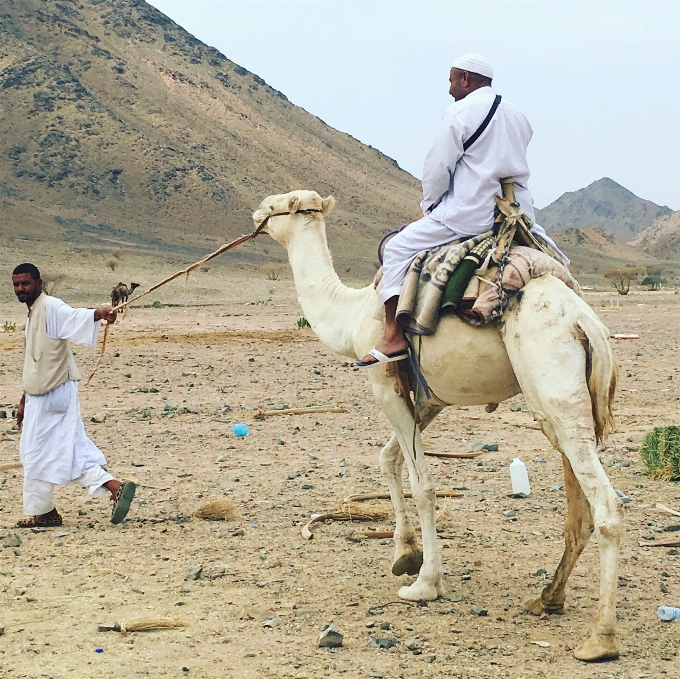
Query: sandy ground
[(218, 364)]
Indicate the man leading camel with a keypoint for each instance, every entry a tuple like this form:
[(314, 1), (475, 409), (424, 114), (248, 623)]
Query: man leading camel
[(460, 179), (55, 449)]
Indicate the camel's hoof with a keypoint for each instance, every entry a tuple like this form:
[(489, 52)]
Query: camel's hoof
[(598, 647), (537, 607), (408, 563), (419, 591)]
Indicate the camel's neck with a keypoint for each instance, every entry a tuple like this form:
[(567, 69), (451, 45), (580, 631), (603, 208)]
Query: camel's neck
[(331, 308)]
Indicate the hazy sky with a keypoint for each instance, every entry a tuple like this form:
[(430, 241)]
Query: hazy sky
[(599, 81)]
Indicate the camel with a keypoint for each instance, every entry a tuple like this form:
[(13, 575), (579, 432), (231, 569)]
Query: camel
[(121, 293), (550, 346)]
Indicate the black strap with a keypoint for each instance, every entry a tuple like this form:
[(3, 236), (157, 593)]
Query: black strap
[(469, 142)]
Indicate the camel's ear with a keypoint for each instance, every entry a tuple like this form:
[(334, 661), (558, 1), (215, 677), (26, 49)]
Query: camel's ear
[(327, 205), (293, 204)]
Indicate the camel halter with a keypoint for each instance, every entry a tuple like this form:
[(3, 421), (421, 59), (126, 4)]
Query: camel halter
[(189, 269)]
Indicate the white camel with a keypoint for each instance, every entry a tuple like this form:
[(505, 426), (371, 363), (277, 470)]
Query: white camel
[(551, 346)]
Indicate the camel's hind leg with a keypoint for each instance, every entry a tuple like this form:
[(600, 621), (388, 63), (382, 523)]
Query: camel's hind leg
[(577, 531), (408, 556), (562, 360)]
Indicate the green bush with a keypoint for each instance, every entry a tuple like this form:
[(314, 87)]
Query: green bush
[(303, 323), (660, 451)]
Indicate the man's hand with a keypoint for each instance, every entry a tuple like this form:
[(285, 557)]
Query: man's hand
[(20, 411), (105, 313), (378, 277)]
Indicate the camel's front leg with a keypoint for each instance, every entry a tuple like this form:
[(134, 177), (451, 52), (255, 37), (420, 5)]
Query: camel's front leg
[(429, 585), (408, 557), (578, 528)]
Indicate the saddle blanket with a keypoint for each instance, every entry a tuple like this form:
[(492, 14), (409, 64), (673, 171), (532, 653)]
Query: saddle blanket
[(419, 307)]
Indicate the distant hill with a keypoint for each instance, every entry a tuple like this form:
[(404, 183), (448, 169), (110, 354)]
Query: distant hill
[(593, 251), (120, 129), (661, 239), (605, 205)]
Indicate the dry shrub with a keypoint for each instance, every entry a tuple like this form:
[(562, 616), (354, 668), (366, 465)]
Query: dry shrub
[(151, 623), (217, 510), (53, 280), (204, 269), (622, 278), (445, 519), (118, 254), (271, 271), (112, 264)]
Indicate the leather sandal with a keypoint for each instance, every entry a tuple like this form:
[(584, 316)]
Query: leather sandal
[(40, 521), (122, 501)]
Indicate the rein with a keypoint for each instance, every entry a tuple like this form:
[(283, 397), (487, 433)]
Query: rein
[(222, 249)]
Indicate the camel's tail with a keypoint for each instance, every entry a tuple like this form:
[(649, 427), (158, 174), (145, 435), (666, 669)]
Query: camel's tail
[(602, 372)]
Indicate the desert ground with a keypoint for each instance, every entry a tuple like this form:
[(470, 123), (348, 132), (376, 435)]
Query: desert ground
[(172, 381)]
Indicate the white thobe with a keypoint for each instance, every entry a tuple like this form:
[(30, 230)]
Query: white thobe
[(54, 447), (459, 186)]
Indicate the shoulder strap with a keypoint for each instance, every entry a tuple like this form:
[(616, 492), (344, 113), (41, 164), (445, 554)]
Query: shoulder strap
[(469, 142)]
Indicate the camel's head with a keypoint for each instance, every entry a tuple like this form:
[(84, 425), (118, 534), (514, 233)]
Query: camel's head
[(287, 211)]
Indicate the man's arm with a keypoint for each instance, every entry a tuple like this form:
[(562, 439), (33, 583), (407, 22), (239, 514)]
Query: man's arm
[(20, 411), (440, 162), (80, 326)]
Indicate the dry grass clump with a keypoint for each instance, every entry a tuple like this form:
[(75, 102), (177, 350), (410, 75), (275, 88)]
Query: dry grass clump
[(217, 510), (660, 451), (445, 519), (151, 623), (52, 281), (271, 271)]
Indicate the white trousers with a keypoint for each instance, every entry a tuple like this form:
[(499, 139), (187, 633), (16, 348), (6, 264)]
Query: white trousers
[(39, 495), (425, 234)]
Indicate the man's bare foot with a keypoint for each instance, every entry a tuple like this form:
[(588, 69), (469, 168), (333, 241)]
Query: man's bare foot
[(113, 486)]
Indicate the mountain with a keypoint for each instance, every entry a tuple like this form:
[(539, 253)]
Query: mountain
[(662, 238), (120, 129), (604, 204)]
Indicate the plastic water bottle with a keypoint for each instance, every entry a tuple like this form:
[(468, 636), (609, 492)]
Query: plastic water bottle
[(668, 613), (240, 429), (519, 477)]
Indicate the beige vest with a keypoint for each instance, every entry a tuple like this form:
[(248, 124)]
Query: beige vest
[(48, 362)]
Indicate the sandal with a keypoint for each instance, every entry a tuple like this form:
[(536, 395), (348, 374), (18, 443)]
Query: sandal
[(40, 522), (383, 358), (122, 501)]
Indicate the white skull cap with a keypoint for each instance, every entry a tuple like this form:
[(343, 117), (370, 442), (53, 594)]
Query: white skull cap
[(474, 63)]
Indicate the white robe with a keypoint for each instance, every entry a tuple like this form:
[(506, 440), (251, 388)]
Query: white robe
[(54, 446), (459, 186)]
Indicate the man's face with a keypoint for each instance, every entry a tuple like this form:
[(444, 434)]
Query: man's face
[(25, 288), (458, 80)]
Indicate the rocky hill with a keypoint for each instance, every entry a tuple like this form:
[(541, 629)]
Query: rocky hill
[(605, 205), (120, 129), (662, 238)]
